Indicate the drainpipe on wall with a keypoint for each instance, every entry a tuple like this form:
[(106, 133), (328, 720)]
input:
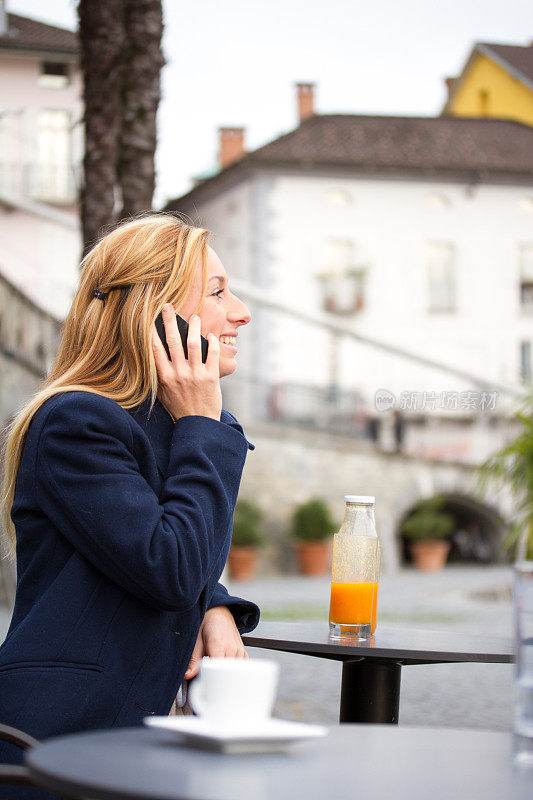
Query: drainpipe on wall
[(3, 19)]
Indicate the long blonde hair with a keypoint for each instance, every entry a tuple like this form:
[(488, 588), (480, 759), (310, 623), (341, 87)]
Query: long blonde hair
[(105, 348)]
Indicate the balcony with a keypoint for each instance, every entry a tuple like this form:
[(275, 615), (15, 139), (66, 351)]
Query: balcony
[(343, 291), (45, 183), (314, 407)]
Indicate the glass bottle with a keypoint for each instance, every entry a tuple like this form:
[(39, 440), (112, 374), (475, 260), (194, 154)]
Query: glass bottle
[(355, 571)]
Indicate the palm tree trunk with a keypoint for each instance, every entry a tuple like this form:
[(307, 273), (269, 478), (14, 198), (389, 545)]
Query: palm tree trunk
[(121, 60), (102, 38), (140, 100)]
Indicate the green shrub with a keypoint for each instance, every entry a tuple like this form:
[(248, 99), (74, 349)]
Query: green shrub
[(247, 521), (312, 521), (428, 521)]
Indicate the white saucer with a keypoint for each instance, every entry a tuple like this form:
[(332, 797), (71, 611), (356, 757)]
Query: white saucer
[(270, 735)]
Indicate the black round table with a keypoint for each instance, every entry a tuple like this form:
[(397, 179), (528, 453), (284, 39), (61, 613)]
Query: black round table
[(371, 669), (378, 762)]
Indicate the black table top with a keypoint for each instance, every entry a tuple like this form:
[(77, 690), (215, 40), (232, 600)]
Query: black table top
[(408, 645), (375, 761)]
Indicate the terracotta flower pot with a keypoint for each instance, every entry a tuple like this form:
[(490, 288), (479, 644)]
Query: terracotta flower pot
[(431, 555), (242, 562), (313, 557)]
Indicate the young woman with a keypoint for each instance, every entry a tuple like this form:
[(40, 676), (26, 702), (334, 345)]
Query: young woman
[(121, 477)]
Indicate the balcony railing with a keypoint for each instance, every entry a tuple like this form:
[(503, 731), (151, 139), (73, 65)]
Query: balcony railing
[(49, 183), (328, 409)]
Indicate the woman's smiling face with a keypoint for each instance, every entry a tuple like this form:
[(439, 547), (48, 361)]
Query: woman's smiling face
[(221, 312)]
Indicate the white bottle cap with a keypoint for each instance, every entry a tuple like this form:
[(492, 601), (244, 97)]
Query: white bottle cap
[(359, 498)]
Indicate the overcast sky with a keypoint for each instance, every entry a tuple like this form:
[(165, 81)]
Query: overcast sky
[(234, 62)]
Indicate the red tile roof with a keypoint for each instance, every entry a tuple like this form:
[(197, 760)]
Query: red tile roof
[(419, 143), (477, 149), (28, 34)]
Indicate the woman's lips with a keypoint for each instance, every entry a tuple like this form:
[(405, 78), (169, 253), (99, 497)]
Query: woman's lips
[(229, 347)]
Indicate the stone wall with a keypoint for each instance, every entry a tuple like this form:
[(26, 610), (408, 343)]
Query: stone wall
[(28, 343), (289, 466)]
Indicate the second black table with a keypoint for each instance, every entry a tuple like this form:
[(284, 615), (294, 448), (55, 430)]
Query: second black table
[(371, 670)]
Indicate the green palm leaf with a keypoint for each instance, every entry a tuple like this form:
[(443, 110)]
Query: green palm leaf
[(512, 466)]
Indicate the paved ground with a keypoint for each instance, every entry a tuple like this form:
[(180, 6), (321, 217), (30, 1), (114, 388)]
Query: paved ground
[(458, 695)]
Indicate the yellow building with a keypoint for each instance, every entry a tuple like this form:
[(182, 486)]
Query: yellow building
[(497, 81)]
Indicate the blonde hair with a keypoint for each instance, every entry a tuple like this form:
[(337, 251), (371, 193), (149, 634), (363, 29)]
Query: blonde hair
[(105, 348)]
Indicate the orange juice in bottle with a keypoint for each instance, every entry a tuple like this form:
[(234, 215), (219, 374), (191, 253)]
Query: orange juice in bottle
[(355, 571)]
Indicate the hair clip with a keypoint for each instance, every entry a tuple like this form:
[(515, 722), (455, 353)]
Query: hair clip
[(100, 295)]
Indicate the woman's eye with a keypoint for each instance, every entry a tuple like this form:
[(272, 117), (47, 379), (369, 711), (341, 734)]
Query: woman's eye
[(218, 294)]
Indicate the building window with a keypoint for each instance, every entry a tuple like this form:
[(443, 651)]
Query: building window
[(437, 200), (52, 179), (339, 197), (441, 276), (525, 254), (484, 102), (525, 205), (525, 361), (54, 75), (342, 279)]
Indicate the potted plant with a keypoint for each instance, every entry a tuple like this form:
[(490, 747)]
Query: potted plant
[(312, 527), (245, 540), (512, 466), (343, 292), (428, 529)]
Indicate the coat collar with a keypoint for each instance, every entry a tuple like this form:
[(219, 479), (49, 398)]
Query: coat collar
[(158, 426)]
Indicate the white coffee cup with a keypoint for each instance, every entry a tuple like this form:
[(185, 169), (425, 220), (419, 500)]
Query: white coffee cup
[(234, 691)]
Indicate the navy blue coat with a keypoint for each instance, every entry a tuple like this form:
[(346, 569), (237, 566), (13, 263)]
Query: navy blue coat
[(123, 528)]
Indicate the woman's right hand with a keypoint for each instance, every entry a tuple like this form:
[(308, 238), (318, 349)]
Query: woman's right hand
[(187, 387)]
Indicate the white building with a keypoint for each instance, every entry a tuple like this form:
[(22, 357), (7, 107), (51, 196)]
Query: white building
[(41, 145), (417, 232)]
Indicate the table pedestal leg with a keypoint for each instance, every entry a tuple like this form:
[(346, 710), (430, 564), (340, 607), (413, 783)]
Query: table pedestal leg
[(370, 691)]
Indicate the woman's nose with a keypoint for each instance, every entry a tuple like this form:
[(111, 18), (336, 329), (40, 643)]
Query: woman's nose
[(240, 313)]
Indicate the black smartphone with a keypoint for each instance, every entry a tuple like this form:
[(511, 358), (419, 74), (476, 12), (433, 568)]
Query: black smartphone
[(183, 327)]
